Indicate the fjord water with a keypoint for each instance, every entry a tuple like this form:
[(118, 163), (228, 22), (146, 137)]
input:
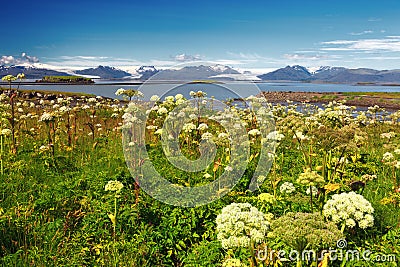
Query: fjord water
[(221, 91)]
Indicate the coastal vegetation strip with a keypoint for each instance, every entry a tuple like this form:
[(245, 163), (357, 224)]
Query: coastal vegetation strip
[(65, 79)]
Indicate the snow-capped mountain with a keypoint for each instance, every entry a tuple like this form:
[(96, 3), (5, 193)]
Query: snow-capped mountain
[(201, 72), (104, 72), (145, 72), (332, 74), (289, 73), (30, 71)]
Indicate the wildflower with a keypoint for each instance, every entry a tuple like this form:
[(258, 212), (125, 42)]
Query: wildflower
[(47, 117), (20, 76), (287, 188), (345, 206), (64, 109), (178, 96), (254, 132), (154, 98), (240, 222), (207, 175), (300, 136), (120, 91), (206, 136), (202, 127), (266, 197), (301, 230), (275, 136), (387, 157), (314, 190), (197, 94), (114, 186), (388, 135), (228, 168), (188, 127), (368, 177), (310, 178), (169, 99), (43, 148), (159, 132), (223, 136), (162, 111), (5, 132), (397, 165)]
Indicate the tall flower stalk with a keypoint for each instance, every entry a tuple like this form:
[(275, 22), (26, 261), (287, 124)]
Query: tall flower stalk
[(13, 94), (1, 154)]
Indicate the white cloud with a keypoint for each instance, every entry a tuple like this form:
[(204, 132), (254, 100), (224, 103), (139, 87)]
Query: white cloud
[(24, 58), (390, 43), (374, 19), (185, 57), (79, 62), (362, 33), (306, 57)]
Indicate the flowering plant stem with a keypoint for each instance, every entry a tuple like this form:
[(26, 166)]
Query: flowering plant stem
[(115, 216), (1, 154), (311, 199)]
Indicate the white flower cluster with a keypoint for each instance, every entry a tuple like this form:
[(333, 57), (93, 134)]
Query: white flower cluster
[(5, 132), (46, 117), (239, 223), (189, 127), (313, 189), (350, 209), (388, 135), (206, 136), (287, 188), (254, 132), (120, 91), (162, 111), (197, 94), (275, 136), (114, 186), (202, 127), (154, 98)]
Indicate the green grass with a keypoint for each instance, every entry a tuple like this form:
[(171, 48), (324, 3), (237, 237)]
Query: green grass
[(54, 210), (391, 95)]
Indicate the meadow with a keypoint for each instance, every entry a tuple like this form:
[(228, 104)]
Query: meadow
[(68, 198)]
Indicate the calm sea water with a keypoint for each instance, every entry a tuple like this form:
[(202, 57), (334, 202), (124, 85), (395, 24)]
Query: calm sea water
[(219, 91)]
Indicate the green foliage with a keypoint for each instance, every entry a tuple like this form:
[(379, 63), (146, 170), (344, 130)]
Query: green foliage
[(65, 79), (55, 211)]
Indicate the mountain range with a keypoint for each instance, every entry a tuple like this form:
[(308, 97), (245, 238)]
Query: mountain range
[(104, 72), (218, 72), (332, 75)]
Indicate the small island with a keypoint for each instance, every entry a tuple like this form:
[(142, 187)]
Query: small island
[(65, 79)]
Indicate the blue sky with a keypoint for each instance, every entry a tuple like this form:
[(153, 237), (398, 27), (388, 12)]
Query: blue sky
[(244, 34)]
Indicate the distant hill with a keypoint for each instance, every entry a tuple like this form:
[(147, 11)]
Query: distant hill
[(332, 74), (104, 72), (201, 72), (30, 72), (213, 72), (295, 73)]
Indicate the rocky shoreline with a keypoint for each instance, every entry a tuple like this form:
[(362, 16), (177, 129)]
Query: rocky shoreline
[(385, 100)]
